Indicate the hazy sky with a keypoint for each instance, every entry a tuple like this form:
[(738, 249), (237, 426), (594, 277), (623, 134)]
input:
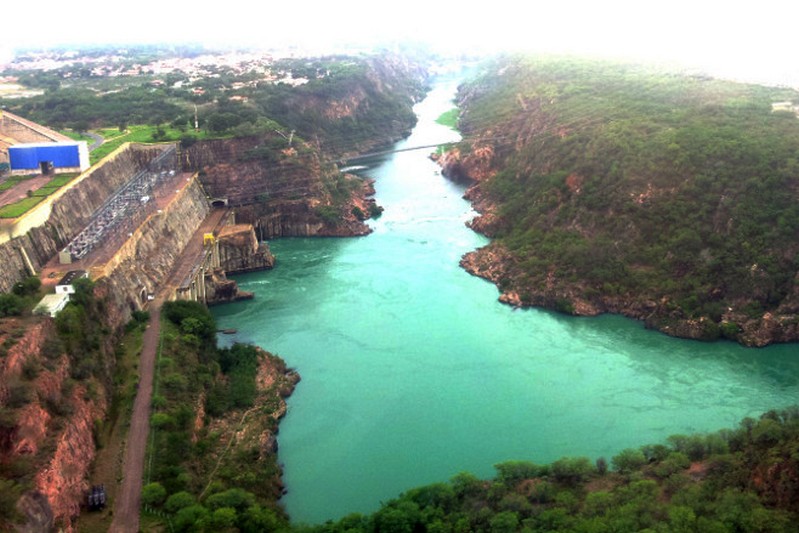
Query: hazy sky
[(727, 36)]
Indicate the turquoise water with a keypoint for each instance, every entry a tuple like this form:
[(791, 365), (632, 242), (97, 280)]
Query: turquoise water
[(413, 372)]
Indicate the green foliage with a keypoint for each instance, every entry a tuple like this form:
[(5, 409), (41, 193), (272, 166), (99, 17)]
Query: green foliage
[(10, 492), (329, 214), (153, 494), (753, 488), (623, 181), (10, 305), (178, 501), (20, 207), (628, 460), (449, 118), (27, 287)]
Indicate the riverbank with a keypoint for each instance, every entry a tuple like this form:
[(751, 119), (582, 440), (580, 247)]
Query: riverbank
[(413, 372)]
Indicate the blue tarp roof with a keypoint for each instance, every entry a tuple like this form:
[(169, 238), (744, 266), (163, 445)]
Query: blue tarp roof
[(29, 156)]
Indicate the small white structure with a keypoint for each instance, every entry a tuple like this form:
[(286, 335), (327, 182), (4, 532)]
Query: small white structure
[(51, 304), (65, 286)]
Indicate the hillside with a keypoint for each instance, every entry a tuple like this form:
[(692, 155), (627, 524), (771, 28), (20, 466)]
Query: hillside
[(342, 105), (613, 188)]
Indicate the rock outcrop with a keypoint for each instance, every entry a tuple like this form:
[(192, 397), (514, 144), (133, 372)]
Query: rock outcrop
[(288, 193), (240, 251), (53, 425)]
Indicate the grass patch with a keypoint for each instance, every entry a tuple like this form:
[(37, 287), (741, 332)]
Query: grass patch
[(18, 209), (44, 192), (76, 136), (449, 118), (12, 182), (138, 134), (61, 180)]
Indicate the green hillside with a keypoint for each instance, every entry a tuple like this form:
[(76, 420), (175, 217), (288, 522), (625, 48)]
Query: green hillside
[(670, 198)]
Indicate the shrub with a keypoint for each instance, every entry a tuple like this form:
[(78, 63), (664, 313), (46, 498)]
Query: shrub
[(572, 470), (161, 421), (179, 500), (375, 211), (153, 494), (27, 286), (10, 305), (628, 460), (358, 213)]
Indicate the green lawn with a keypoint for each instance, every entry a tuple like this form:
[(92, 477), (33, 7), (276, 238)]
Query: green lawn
[(140, 134), (17, 209), (76, 136)]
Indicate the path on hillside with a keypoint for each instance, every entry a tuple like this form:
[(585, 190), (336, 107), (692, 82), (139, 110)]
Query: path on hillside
[(128, 501), (98, 140)]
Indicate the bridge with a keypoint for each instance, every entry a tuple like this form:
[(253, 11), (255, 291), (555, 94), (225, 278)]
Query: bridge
[(393, 151)]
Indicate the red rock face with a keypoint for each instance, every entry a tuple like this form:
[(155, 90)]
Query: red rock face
[(64, 480), (61, 481)]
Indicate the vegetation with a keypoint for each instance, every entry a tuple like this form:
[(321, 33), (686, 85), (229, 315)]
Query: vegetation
[(204, 473), (20, 207), (230, 104), (22, 298), (449, 118), (740, 480), (618, 183)]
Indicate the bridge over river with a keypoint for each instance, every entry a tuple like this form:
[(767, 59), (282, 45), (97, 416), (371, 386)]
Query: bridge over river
[(392, 151)]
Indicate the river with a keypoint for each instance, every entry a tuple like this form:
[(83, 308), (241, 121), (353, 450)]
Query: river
[(412, 371)]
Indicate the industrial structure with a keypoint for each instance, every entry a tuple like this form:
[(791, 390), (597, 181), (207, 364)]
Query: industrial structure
[(48, 157), (16, 130)]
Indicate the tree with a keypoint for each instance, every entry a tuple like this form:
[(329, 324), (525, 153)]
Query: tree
[(571, 470), (10, 305), (178, 501), (27, 286), (628, 460), (153, 494)]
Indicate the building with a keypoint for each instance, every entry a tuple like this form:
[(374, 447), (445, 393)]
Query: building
[(65, 286), (15, 130), (51, 304), (49, 157)]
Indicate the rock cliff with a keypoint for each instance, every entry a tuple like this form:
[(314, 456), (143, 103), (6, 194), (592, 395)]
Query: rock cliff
[(47, 428), (282, 192)]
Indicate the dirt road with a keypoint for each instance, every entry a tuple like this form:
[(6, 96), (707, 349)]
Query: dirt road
[(128, 502)]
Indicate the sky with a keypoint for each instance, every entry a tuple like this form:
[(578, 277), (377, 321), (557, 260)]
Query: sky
[(743, 38)]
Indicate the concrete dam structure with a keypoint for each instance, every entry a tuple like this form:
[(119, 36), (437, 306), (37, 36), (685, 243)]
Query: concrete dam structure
[(139, 225)]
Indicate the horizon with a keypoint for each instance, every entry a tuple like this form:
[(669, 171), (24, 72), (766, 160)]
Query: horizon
[(748, 42)]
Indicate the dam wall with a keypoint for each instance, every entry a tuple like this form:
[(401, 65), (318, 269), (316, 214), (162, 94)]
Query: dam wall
[(142, 265), (29, 242)]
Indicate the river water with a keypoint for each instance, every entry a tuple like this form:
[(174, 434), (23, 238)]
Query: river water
[(412, 371)]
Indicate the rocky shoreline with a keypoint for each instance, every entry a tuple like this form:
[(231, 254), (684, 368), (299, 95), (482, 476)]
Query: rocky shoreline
[(496, 264)]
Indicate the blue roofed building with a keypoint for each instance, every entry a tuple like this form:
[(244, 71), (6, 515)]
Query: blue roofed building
[(49, 157)]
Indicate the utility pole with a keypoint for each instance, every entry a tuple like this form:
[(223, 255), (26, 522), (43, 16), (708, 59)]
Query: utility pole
[(196, 121)]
